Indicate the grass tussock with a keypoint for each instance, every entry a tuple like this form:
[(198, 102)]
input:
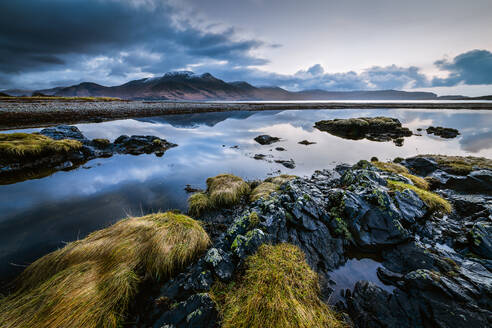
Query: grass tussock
[(270, 185), (435, 202), (461, 165), (281, 179), (226, 190), (278, 289), (263, 190), (198, 204), (20, 145), (402, 170), (90, 282)]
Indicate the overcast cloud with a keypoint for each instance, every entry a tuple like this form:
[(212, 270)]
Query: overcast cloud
[(46, 43)]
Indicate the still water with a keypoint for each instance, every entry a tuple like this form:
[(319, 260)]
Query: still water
[(38, 216)]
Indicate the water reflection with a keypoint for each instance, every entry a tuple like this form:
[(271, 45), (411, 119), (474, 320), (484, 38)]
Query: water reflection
[(37, 216)]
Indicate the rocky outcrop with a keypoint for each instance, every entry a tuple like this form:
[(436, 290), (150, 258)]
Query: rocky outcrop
[(447, 133), (439, 265), (20, 168), (371, 128)]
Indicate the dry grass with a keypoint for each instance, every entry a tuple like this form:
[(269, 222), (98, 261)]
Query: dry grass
[(402, 170), (198, 204), (226, 190), (90, 282), (435, 202), (278, 290), (270, 185), (19, 145)]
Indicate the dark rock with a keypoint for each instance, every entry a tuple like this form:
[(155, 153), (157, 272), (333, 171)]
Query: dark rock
[(191, 189), (447, 133), (63, 132), (481, 239), (280, 149), (290, 164), (197, 311), (421, 165), (221, 263), (259, 156), (265, 139), (306, 142)]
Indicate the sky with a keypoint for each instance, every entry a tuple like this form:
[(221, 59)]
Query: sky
[(444, 46)]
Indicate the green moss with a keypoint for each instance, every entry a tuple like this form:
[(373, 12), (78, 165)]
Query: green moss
[(254, 220), (226, 190), (198, 204), (278, 289), (23, 145), (435, 202), (90, 282), (400, 169)]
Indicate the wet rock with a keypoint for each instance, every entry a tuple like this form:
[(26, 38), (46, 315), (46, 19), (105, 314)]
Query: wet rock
[(221, 263), (197, 311), (420, 165), (306, 142), (259, 156), (290, 164), (447, 133), (481, 239), (63, 132), (371, 128), (265, 139)]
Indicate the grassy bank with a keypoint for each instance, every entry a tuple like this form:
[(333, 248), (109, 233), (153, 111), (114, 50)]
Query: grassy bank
[(278, 289), (22, 145), (90, 282)]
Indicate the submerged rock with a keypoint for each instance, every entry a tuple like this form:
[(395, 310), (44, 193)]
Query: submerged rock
[(265, 139), (371, 128), (290, 164), (306, 142)]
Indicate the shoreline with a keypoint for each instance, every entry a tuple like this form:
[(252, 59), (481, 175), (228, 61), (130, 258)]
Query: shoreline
[(17, 115)]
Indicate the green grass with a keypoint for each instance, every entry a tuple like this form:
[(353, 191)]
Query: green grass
[(402, 170), (21, 145), (198, 204), (435, 202), (277, 290), (90, 282), (226, 190), (223, 190), (270, 185)]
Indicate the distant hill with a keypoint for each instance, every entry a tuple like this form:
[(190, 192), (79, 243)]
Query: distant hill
[(185, 85)]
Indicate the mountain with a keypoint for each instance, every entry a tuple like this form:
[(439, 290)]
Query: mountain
[(185, 85)]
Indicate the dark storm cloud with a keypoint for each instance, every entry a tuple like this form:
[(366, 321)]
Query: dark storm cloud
[(35, 34), (472, 67)]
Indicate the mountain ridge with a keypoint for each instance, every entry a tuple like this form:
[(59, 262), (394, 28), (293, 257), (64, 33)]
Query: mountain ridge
[(186, 85)]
